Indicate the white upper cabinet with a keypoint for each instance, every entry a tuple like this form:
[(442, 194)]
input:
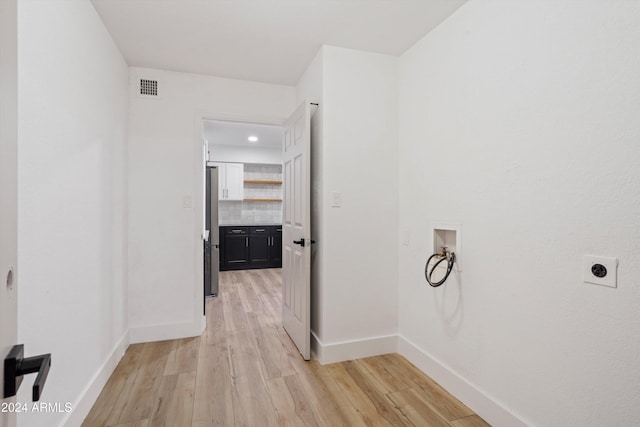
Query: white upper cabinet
[(230, 181), (235, 181)]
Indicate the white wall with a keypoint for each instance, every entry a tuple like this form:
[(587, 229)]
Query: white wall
[(165, 172), (521, 120), (72, 202), (355, 313)]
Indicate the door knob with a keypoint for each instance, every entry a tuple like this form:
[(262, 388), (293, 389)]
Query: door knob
[(16, 365)]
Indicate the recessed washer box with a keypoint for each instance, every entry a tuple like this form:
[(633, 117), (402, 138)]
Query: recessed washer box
[(599, 270), (450, 235)]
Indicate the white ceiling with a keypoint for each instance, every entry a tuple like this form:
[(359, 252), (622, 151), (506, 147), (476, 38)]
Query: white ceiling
[(236, 134), (263, 40)]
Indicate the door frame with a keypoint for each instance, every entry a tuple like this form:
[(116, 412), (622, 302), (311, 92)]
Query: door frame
[(8, 190), (198, 190)]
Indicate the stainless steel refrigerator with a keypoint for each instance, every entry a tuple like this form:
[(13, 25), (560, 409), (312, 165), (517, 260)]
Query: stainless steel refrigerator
[(212, 244)]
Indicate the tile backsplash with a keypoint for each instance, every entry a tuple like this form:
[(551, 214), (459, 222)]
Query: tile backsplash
[(248, 213), (260, 171)]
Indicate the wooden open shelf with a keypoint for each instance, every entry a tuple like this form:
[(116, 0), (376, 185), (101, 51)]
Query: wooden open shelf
[(262, 181), (262, 200)]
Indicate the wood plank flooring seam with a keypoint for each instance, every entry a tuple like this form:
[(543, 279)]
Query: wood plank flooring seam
[(245, 371)]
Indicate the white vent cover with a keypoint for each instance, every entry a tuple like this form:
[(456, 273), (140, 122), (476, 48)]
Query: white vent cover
[(148, 87)]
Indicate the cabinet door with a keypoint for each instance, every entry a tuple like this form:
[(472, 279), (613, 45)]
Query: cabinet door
[(259, 250), (221, 179), (276, 247), (234, 181), (259, 246), (236, 250)]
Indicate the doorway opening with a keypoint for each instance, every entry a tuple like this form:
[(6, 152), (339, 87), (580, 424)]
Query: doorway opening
[(243, 198), (295, 200)]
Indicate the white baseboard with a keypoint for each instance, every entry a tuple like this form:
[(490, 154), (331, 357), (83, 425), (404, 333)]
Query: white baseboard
[(90, 393), (483, 405), (169, 331), (339, 352)]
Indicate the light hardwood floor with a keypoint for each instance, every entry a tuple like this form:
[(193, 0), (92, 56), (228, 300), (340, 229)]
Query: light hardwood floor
[(244, 371)]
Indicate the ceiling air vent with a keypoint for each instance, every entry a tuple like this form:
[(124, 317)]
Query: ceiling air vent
[(148, 87)]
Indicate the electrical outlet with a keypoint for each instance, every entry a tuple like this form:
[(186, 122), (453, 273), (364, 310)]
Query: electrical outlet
[(405, 235), (186, 202), (600, 270)]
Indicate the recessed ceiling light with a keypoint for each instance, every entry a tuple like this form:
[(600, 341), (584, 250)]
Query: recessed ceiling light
[(253, 138)]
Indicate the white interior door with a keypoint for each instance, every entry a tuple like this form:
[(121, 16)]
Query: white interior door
[(296, 233), (8, 189)]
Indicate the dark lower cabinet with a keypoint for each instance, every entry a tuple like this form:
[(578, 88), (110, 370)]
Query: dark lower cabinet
[(275, 254), (250, 247), (259, 246), (234, 249)]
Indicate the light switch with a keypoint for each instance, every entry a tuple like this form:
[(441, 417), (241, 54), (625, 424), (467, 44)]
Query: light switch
[(336, 199), (186, 202)]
